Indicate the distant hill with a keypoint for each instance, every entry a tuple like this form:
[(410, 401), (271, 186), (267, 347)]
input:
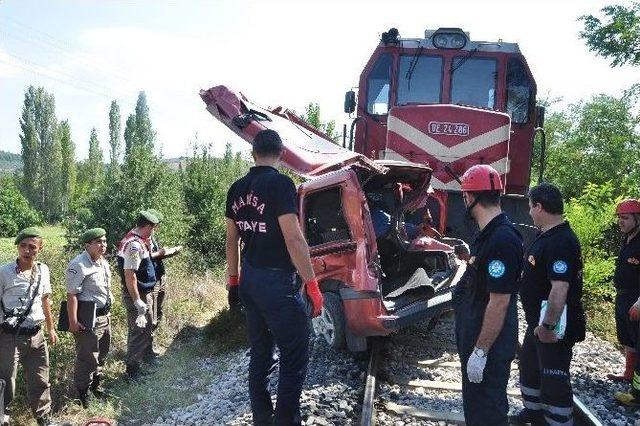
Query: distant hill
[(10, 161)]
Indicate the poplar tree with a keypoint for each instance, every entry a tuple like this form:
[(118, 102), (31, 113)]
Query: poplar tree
[(114, 135), (95, 162), (68, 171)]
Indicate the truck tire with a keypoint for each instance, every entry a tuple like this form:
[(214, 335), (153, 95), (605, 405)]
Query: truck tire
[(330, 323)]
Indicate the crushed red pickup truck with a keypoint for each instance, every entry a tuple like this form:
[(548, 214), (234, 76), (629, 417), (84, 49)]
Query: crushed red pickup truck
[(380, 264)]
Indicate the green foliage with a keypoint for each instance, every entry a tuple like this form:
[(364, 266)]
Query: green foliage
[(618, 37), (206, 180), (9, 161), (15, 211), (592, 217), (601, 136), (114, 135), (312, 116), (68, 168)]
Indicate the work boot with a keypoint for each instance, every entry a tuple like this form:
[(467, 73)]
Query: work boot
[(527, 416), (133, 373), (630, 363), (83, 396)]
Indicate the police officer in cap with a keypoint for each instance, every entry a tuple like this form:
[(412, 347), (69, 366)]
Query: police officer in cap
[(486, 321), (25, 299), (158, 254), (138, 279), (261, 212), (627, 282), (551, 294), (88, 280)]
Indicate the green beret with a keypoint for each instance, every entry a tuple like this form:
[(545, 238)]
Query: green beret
[(150, 217), (31, 232), (157, 214), (92, 234)]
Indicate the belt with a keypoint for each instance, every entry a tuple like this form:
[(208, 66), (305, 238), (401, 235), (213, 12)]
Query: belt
[(20, 331), (103, 311)]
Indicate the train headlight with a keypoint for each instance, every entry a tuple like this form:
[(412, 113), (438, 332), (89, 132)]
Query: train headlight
[(449, 38)]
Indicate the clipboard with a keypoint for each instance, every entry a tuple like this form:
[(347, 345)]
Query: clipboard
[(561, 326), (86, 315)]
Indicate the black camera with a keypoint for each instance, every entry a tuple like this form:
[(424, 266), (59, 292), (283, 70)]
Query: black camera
[(13, 316)]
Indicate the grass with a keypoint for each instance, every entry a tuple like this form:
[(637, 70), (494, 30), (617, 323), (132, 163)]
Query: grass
[(194, 300)]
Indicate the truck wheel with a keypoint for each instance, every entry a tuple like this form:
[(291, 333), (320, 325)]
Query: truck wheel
[(330, 323)]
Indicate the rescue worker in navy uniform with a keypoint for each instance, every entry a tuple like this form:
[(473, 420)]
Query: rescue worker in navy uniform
[(627, 282), (486, 321), (261, 213), (138, 277), (552, 274)]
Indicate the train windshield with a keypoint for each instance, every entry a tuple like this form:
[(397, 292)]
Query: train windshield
[(419, 79), (473, 82)]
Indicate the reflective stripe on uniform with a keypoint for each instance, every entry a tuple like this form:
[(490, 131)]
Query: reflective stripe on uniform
[(552, 422), (560, 411), (529, 391), (536, 406)]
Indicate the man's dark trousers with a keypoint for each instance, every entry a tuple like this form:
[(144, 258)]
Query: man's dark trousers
[(275, 316)]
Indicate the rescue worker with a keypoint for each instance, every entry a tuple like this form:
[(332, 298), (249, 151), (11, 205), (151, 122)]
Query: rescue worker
[(25, 299), (261, 212), (88, 279), (138, 278), (553, 275), (486, 320), (158, 253), (627, 282)]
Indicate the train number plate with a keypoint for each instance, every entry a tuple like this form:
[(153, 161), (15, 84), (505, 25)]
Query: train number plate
[(446, 128)]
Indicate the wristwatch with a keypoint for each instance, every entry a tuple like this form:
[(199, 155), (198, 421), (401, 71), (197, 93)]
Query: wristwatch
[(548, 326), (479, 352)]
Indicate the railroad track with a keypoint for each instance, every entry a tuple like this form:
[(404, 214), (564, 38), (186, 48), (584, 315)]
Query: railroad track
[(371, 404)]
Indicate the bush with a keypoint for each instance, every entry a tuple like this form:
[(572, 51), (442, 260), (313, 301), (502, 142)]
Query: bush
[(206, 180), (15, 211), (592, 217)]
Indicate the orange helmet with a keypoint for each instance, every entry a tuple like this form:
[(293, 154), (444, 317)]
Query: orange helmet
[(481, 177), (629, 206)]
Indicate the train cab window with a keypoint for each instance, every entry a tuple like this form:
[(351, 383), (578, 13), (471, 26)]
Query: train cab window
[(473, 81), (419, 79), (324, 217), (378, 85), (518, 91)]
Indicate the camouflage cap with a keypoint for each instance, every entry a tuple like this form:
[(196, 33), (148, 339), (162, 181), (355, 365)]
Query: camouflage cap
[(92, 234), (157, 214), (148, 216), (31, 232)]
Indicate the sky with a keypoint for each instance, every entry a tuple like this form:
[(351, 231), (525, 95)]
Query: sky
[(90, 52)]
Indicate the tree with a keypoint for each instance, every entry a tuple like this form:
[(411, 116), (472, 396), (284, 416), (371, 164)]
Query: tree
[(601, 136), (129, 133), (15, 211), (41, 152), (312, 116), (114, 135), (618, 38), (145, 135), (95, 162), (68, 171)]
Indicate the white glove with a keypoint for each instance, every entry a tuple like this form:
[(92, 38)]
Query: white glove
[(141, 321), (476, 364), (140, 306)]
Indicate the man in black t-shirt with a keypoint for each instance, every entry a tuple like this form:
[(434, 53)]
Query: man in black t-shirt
[(261, 215), (552, 277), (486, 318), (627, 282)]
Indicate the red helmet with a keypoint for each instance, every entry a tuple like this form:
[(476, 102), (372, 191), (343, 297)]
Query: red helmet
[(481, 177), (630, 205)]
